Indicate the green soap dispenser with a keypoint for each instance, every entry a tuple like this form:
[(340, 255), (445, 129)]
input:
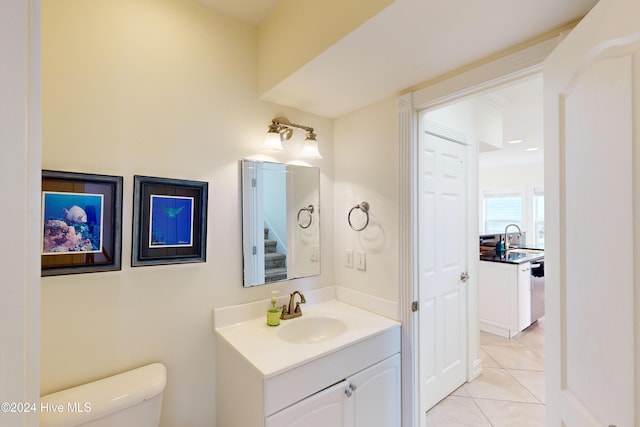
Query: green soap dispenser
[(273, 314)]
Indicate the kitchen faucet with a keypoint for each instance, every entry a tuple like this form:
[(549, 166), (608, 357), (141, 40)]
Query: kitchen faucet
[(290, 312), (506, 236)]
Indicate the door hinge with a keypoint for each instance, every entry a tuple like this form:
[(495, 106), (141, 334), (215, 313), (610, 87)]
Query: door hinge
[(254, 182), (414, 306), (255, 250)]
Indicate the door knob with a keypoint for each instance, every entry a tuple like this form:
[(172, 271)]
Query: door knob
[(464, 277)]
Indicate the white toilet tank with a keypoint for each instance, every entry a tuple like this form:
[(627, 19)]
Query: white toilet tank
[(132, 398)]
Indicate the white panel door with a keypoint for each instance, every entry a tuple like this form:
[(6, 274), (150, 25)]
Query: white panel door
[(592, 192), (376, 396), (329, 407), (442, 237)]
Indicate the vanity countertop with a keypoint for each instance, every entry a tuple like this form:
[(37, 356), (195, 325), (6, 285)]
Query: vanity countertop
[(271, 355)]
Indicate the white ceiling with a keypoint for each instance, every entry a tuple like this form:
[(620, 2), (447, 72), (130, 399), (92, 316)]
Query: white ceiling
[(521, 106), (408, 43)]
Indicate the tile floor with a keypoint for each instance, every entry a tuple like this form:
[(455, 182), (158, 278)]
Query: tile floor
[(509, 392)]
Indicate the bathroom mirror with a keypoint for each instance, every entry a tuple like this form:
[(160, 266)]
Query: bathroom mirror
[(280, 222)]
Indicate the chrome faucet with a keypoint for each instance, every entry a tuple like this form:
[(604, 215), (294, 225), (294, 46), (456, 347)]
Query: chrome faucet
[(291, 311), (506, 235)]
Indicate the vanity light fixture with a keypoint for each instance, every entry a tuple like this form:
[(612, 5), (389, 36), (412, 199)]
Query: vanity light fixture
[(281, 129), (273, 140)]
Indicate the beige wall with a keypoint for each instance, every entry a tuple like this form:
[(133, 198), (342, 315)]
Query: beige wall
[(366, 169), (296, 31), (166, 89)]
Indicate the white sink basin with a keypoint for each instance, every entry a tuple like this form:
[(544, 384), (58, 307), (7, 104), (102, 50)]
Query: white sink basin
[(310, 330)]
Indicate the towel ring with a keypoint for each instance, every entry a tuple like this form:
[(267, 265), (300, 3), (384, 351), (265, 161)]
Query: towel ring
[(364, 207), (310, 210)]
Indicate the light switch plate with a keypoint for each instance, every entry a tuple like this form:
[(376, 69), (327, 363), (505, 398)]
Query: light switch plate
[(348, 259), (361, 260)]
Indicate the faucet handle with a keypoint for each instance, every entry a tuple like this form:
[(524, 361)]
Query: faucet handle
[(298, 309), (285, 310)]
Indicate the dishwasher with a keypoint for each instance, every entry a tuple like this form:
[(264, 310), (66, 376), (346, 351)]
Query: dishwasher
[(537, 290)]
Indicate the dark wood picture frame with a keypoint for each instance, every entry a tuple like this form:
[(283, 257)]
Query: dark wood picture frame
[(81, 223), (147, 249)]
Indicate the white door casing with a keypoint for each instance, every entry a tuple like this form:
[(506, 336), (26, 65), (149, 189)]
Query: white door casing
[(518, 65), (442, 260), (592, 172)]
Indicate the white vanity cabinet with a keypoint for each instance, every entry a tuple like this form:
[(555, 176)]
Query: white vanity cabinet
[(350, 379), (350, 403), (504, 297)]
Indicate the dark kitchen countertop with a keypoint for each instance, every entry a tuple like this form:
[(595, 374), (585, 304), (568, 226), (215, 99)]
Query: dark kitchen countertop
[(511, 257)]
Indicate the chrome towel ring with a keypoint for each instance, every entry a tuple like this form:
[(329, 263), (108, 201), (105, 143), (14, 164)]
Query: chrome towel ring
[(364, 207), (306, 224)]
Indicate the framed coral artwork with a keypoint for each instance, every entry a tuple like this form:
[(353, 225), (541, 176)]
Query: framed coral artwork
[(169, 221), (81, 223)]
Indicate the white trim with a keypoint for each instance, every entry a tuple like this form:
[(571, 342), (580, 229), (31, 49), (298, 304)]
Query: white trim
[(518, 65), (21, 165), (441, 131), (407, 127), (510, 68), (34, 187), (474, 362)]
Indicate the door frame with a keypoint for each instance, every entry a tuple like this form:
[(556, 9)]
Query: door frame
[(507, 69)]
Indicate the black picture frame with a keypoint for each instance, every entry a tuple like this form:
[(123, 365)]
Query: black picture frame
[(159, 242), (81, 223)]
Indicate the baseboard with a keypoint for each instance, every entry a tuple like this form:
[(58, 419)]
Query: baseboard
[(493, 329), (476, 369)]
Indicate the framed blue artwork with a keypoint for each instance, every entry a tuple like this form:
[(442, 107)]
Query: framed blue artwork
[(169, 221), (81, 223)]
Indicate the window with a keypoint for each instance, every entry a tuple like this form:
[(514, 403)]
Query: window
[(501, 210), (522, 205)]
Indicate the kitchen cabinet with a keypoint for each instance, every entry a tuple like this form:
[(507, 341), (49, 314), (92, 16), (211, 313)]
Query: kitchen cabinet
[(350, 402), (504, 297), (524, 296)]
